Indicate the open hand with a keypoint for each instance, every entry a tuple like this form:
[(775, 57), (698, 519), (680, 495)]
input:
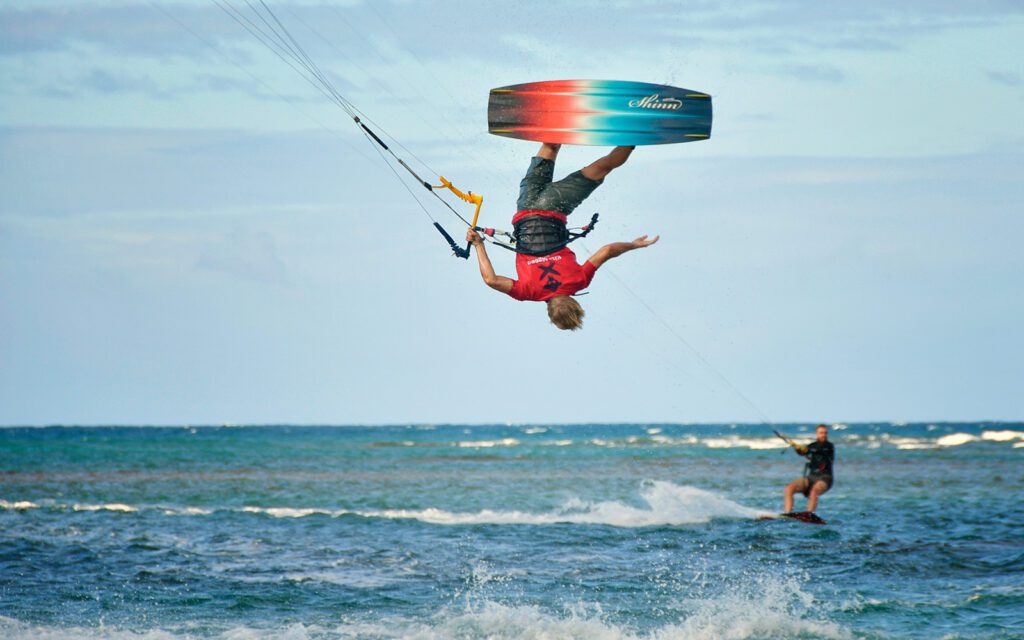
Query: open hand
[(642, 242)]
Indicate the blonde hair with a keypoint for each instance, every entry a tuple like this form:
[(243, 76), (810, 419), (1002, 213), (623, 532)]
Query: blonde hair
[(565, 313)]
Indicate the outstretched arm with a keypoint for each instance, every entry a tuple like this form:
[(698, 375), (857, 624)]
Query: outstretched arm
[(491, 279), (616, 249)]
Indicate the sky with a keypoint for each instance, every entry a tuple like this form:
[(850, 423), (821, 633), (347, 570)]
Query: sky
[(191, 234)]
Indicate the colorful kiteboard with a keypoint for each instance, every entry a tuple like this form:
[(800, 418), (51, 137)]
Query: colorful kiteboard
[(599, 112)]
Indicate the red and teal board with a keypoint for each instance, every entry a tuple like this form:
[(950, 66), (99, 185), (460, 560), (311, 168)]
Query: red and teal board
[(599, 112)]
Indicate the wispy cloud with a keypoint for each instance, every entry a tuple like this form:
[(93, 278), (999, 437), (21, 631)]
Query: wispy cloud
[(102, 81), (1007, 78), (139, 30), (246, 254), (350, 31), (811, 72)]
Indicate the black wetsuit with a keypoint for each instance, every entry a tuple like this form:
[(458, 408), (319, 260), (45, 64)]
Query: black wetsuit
[(820, 456)]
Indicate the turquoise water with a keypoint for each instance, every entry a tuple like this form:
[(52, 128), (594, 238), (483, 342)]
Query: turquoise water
[(526, 531)]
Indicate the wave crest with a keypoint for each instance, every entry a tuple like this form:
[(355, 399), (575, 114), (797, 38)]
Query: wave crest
[(664, 503)]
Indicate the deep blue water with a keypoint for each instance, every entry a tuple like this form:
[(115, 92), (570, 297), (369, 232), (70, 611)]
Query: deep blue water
[(526, 531)]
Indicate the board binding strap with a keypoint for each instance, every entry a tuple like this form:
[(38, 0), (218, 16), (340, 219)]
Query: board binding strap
[(599, 112)]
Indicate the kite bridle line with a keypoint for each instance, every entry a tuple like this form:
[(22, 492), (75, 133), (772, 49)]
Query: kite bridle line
[(469, 197), (789, 441), (785, 439), (272, 34)]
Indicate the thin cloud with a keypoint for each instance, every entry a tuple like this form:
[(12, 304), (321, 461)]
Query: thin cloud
[(811, 72), (349, 32), (146, 30), (132, 30), (1006, 78), (245, 254), (107, 82)]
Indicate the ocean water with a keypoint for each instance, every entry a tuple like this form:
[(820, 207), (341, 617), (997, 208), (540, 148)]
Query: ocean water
[(519, 531)]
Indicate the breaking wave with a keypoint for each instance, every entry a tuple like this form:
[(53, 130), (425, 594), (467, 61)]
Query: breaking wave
[(660, 503), (664, 503)]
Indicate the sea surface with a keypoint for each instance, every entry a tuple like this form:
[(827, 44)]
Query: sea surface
[(507, 531)]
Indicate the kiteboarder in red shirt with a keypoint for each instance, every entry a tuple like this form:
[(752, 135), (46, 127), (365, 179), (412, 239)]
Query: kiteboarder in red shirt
[(547, 269)]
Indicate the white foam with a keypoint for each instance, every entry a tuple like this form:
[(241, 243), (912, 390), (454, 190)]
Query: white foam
[(533, 430), (653, 431), (113, 506), (18, 504), (288, 512), (187, 511), (664, 503), (1002, 436), (909, 444), (660, 503), (675, 441), (736, 442), (501, 622), (12, 629), (955, 439), (344, 577), (434, 515), (482, 444), (951, 439), (765, 607)]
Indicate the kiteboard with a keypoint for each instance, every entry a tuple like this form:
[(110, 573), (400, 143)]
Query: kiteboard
[(599, 112), (803, 516)]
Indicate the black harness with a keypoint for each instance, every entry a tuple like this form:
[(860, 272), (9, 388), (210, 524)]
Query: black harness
[(819, 459), (539, 235)]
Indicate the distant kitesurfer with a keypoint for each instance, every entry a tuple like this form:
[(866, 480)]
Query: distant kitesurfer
[(547, 269), (817, 477)]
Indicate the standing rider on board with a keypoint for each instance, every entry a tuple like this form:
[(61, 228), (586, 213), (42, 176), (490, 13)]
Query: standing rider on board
[(817, 477)]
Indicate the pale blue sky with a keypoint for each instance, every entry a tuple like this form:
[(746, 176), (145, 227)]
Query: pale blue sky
[(190, 234)]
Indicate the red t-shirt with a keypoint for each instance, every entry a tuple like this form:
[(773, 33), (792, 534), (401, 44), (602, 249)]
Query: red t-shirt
[(556, 274)]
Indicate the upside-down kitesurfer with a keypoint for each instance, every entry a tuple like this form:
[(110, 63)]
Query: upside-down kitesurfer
[(547, 269), (817, 478)]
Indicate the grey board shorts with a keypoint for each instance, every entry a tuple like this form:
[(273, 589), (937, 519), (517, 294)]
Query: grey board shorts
[(537, 191)]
